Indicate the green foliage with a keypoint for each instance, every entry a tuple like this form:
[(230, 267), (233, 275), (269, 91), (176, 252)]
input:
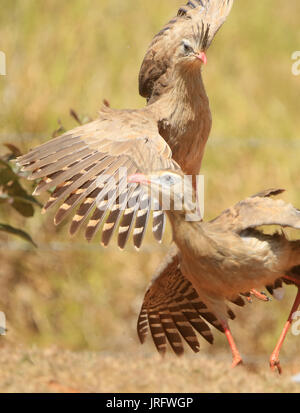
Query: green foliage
[(18, 232), (12, 194)]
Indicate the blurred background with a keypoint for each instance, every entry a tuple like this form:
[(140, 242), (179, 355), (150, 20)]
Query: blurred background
[(63, 55)]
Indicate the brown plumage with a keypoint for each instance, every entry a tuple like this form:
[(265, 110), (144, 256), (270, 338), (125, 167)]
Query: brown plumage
[(205, 17), (220, 260), (84, 166), (87, 165), (170, 293)]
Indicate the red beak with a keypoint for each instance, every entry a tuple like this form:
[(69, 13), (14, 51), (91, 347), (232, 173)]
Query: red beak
[(138, 179), (202, 56)]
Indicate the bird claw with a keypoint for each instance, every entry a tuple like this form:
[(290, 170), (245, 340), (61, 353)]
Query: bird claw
[(237, 361), (260, 295), (275, 364)]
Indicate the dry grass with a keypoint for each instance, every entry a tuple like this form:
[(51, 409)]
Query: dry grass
[(59, 371)]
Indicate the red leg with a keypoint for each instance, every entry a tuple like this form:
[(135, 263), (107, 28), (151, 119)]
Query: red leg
[(274, 360), (237, 359)]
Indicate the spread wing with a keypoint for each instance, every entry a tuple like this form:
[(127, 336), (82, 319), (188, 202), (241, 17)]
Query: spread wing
[(88, 167), (259, 210), (202, 18), (173, 310)]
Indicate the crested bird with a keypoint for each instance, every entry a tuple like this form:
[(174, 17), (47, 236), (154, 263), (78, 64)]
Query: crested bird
[(86, 166), (214, 263)]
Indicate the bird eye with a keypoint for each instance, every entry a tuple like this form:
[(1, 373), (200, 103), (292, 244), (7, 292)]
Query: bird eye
[(169, 180), (187, 48)]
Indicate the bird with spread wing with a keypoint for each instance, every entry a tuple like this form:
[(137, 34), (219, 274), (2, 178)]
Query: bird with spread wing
[(211, 263), (86, 165), (214, 263)]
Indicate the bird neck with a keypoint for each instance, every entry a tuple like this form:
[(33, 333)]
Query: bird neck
[(189, 86), (186, 234), (184, 118), (184, 96)]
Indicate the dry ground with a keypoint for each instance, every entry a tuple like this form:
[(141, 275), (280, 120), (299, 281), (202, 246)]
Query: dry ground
[(59, 371)]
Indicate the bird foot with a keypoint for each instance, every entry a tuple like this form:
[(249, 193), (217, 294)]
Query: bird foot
[(237, 361), (260, 295), (275, 363)]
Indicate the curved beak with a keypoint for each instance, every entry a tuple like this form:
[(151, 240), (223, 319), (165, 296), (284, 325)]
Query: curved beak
[(202, 57)]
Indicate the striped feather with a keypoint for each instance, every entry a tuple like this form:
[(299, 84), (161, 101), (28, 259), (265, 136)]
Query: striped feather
[(158, 225), (196, 322), (142, 325), (84, 210), (207, 314), (63, 176), (63, 154), (56, 166), (75, 185), (74, 165), (98, 217), (103, 202), (141, 221), (49, 148), (129, 217), (171, 331), (74, 199), (184, 327), (169, 297), (157, 331), (115, 215)]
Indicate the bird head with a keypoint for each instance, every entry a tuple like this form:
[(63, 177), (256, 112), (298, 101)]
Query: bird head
[(190, 52), (173, 190)]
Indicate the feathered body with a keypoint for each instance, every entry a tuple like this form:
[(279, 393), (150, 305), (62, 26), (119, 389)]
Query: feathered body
[(81, 163), (212, 264), (220, 265)]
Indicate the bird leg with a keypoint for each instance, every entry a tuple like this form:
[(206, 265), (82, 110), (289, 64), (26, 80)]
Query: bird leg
[(274, 359), (236, 357)]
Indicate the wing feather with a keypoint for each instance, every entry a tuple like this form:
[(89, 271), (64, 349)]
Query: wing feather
[(258, 210), (168, 298), (79, 166)]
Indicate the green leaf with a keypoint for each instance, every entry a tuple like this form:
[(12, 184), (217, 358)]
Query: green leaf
[(18, 232), (13, 149), (6, 174), (29, 199), (20, 199), (16, 194), (24, 208)]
